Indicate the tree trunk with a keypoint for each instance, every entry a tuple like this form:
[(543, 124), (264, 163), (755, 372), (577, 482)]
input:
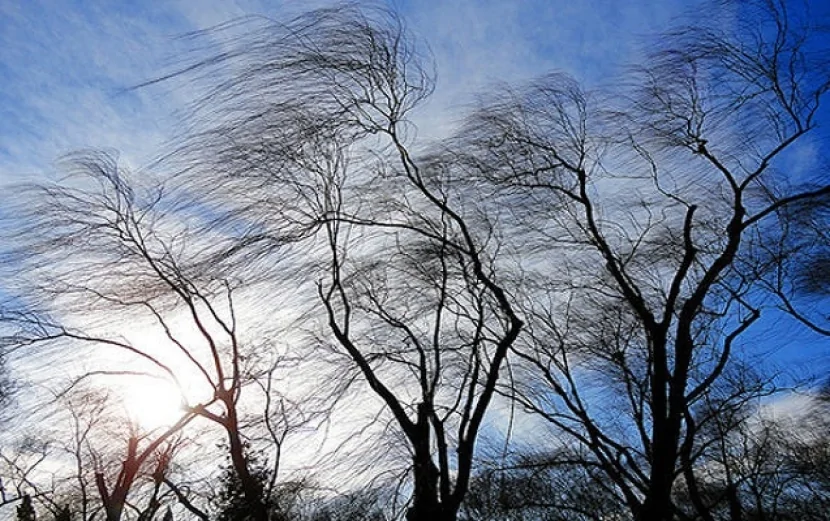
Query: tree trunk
[(658, 505), (735, 510), (114, 506), (426, 501), (251, 487)]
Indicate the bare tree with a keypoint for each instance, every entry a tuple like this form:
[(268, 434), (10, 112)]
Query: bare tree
[(114, 492), (91, 471), (767, 466), (616, 243), (18, 465), (56, 482), (549, 486), (103, 251), (313, 144), (639, 212)]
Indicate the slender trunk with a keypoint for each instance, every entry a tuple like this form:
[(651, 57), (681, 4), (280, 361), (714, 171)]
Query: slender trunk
[(114, 503), (425, 504), (735, 510), (114, 511), (115, 500), (251, 487)]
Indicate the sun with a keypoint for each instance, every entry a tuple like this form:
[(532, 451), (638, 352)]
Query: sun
[(153, 403)]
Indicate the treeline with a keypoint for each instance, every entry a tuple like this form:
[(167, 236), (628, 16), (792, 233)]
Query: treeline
[(545, 315)]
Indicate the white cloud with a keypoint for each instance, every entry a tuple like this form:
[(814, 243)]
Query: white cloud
[(65, 65)]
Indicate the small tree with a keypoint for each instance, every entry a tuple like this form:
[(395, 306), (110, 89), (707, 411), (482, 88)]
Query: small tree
[(231, 502), (26, 510)]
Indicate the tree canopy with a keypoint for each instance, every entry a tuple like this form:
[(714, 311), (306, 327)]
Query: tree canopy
[(542, 316)]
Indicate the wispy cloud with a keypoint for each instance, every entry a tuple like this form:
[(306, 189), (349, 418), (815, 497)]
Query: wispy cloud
[(481, 43), (66, 68), (66, 65)]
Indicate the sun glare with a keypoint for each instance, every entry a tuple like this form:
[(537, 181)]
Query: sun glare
[(153, 404)]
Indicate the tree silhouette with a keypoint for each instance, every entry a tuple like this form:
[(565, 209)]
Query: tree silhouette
[(592, 257), (26, 510), (406, 273), (109, 243), (655, 200)]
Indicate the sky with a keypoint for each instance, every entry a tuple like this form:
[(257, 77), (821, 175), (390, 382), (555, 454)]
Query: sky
[(68, 69), (68, 66)]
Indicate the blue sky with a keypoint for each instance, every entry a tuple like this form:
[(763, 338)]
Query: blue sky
[(66, 65), (67, 68)]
